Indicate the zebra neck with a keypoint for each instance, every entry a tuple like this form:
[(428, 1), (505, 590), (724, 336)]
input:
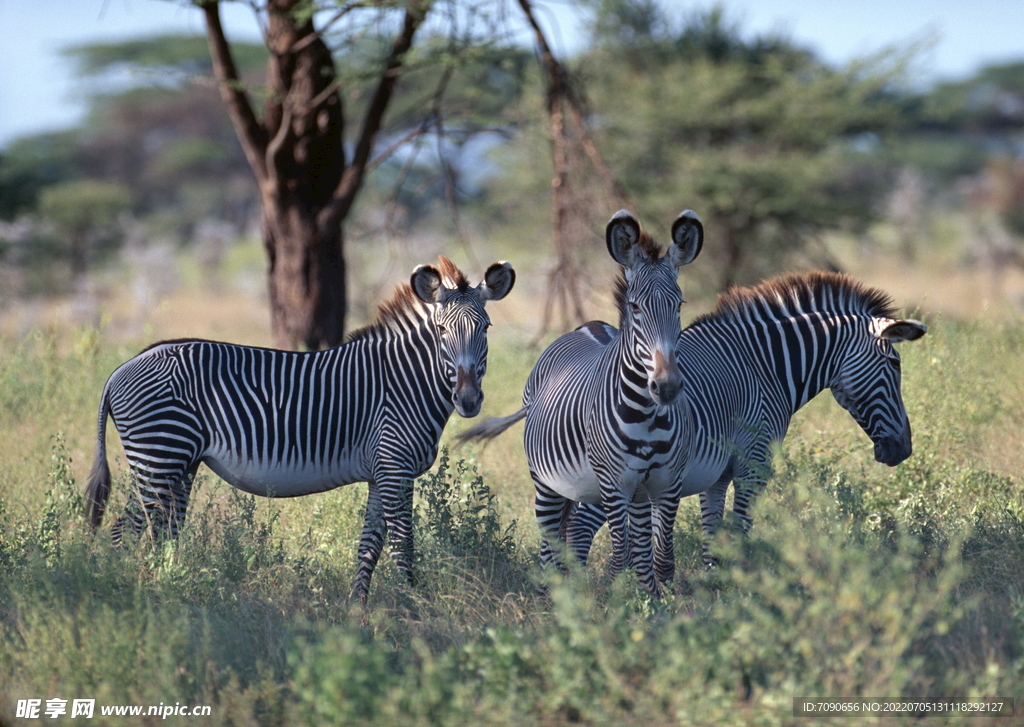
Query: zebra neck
[(415, 363), (802, 352)]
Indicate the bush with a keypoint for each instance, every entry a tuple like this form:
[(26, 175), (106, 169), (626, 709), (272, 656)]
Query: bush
[(857, 581)]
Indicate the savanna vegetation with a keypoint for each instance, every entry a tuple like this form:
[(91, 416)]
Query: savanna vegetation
[(857, 581)]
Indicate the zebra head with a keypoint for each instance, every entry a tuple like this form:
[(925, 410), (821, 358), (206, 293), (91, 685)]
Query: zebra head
[(460, 324), (650, 299), (868, 386)]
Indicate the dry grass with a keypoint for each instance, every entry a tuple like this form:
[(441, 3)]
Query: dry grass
[(230, 304), (828, 597)]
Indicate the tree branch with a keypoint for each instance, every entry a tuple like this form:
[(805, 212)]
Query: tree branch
[(352, 179), (345, 10), (250, 132), (561, 87), (276, 150), (569, 133), (557, 77)]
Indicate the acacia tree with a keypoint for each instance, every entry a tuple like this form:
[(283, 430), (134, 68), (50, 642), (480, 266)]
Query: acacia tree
[(758, 135), (84, 212), (296, 148), (573, 191)]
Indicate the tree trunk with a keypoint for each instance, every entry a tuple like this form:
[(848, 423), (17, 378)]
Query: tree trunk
[(570, 143), (304, 118), (305, 277), (307, 187)]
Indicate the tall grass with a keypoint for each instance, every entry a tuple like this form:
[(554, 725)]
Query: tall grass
[(857, 581)]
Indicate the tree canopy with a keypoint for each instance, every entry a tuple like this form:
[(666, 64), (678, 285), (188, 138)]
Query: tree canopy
[(773, 146), (755, 132)]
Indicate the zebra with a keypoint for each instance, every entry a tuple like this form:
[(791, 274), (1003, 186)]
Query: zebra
[(752, 362), (600, 425), (285, 423)]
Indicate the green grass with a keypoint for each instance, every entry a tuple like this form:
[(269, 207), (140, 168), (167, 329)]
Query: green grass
[(857, 581)]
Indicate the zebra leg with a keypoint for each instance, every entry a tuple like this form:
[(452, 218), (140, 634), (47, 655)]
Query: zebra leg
[(371, 542), (744, 494), (663, 515), (551, 511), (749, 484), (640, 528), (396, 497), (158, 502), (576, 539), (181, 491), (133, 517), (584, 522), (712, 507), (616, 508)]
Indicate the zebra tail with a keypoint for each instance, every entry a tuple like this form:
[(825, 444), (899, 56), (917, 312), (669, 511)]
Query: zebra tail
[(98, 490), (490, 428)]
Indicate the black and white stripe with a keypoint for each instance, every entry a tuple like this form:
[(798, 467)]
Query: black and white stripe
[(754, 361), (600, 425), (284, 424)]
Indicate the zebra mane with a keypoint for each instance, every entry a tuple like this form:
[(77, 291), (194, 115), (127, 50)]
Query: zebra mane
[(404, 309), (647, 244), (793, 293)]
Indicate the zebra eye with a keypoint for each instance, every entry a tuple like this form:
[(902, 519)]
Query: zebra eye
[(635, 307)]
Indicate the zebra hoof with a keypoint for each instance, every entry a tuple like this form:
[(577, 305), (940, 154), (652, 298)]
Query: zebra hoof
[(359, 593), (653, 588)]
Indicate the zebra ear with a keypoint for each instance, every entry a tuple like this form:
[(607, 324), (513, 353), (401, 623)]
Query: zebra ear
[(687, 239), (426, 283), (904, 330), (498, 281), (622, 234)]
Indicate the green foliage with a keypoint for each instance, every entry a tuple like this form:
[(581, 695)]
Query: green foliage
[(969, 131), (86, 215), (857, 580), (986, 102), (756, 134), (458, 517), (82, 206), (159, 55), (63, 502), (28, 165)]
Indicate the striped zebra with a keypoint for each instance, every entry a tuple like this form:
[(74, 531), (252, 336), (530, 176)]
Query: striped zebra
[(752, 362), (600, 425), (285, 424)]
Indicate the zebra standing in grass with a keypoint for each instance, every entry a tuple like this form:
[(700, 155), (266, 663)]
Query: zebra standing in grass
[(284, 424), (752, 362), (600, 425)]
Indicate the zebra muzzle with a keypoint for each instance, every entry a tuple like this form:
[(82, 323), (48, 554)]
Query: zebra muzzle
[(891, 450), (468, 396), (666, 380)]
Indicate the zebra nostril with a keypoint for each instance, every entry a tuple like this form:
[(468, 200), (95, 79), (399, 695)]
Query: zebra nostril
[(892, 451), (469, 405), (665, 393)]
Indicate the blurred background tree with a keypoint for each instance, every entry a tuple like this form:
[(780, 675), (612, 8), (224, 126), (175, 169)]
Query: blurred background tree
[(779, 151), (87, 215), (157, 126), (965, 143), (760, 136)]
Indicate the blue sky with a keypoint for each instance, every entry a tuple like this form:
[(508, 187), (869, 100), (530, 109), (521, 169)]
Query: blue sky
[(38, 88)]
